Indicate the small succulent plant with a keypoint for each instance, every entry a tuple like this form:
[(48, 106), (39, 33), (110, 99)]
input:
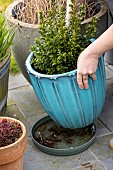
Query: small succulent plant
[(10, 132)]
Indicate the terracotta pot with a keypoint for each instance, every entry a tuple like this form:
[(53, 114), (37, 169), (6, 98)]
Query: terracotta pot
[(11, 156), (4, 76)]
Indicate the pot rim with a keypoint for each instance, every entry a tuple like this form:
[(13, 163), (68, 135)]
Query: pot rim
[(37, 74), (5, 60), (54, 76), (14, 151), (23, 131), (8, 14), (103, 10)]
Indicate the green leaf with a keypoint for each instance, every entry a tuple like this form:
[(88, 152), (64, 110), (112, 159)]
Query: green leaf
[(6, 38)]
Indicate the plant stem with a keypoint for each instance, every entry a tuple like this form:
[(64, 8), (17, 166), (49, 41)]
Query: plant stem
[(68, 9)]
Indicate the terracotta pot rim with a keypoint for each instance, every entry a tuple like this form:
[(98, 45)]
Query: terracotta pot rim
[(23, 130)]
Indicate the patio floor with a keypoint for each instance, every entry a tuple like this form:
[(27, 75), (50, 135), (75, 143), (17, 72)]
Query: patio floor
[(24, 105)]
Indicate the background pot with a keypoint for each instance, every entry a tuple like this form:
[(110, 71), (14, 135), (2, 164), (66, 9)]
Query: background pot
[(102, 16), (25, 34), (64, 101), (21, 50), (4, 77), (11, 156)]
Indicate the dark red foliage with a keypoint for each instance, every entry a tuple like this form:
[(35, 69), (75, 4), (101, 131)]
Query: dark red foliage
[(9, 132)]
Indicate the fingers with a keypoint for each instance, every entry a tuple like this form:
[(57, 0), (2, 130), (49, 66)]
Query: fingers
[(93, 76), (82, 80), (79, 80), (85, 81)]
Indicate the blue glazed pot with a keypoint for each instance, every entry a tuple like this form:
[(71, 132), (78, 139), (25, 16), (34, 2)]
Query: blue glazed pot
[(64, 101)]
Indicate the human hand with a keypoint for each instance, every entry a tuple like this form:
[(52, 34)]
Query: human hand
[(86, 65)]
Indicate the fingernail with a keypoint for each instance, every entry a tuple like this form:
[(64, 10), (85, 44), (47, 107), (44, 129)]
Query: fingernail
[(86, 86), (80, 87)]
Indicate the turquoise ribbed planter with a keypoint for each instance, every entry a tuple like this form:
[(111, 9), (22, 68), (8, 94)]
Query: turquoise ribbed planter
[(62, 99)]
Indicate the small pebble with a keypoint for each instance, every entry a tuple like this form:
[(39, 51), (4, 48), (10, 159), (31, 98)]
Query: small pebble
[(111, 143)]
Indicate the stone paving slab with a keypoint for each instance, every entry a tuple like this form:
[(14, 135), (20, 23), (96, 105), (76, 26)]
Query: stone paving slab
[(43, 161), (101, 128), (107, 114), (102, 151), (15, 112), (95, 165), (17, 81), (26, 99), (110, 66), (109, 73)]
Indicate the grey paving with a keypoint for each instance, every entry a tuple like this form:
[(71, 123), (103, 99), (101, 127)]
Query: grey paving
[(16, 81), (106, 116), (109, 72), (49, 162), (24, 105), (102, 151)]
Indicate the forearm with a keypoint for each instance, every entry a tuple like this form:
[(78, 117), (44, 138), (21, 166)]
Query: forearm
[(102, 44)]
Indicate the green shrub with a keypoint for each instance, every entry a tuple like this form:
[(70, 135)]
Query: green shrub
[(58, 47)]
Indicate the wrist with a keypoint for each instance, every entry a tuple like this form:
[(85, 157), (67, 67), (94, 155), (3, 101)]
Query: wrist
[(92, 52)]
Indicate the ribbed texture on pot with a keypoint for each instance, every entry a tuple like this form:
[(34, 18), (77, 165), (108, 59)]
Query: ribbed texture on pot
[(16, 150), (4, 76), (62, 99)]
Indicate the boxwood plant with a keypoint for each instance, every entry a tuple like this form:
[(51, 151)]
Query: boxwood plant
[(58, 47)]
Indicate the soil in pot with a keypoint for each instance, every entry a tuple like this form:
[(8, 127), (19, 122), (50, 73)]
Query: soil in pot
[(47, 134)]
